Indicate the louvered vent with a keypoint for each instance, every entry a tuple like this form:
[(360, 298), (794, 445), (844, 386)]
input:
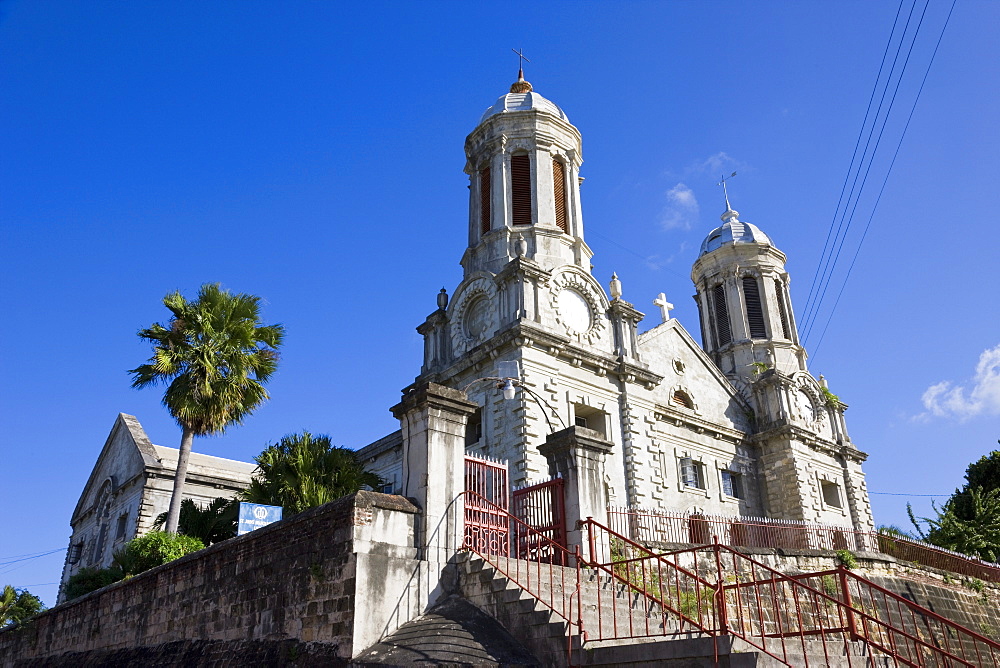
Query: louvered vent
[(559, 190), (520, 186), (682, 399), (485, 193), (755, 310), (722, 332), (779, 290)]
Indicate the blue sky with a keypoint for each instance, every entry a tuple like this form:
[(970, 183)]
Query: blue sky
[(311, 153)]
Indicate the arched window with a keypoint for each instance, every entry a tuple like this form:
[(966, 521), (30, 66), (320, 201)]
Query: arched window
[(520, 188), (723, 333), (779, 291), (485, 195), (755, 310), (559, 191), (682, 398)]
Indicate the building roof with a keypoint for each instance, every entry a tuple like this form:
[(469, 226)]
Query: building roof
[(168, 459), (529, 101), (733, 231)]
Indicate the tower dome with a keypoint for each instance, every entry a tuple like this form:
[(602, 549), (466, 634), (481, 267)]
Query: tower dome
[(522, 98), (733, 231)]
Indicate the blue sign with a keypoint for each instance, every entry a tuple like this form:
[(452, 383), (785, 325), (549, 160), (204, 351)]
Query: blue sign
[(254, 516)]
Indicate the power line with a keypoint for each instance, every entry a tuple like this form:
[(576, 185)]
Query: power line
[(30, 557), (905, 494), (878, 199), (871, 160), (830, 263), (850, 169)]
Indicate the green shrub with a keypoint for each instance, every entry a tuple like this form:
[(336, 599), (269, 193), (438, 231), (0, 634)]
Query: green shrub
[(847, 558), (154, 549), (90, 579)]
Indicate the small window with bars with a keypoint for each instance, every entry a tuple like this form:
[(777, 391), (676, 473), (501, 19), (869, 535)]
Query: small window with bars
[(755, 309), (520, 188), (75, 552)]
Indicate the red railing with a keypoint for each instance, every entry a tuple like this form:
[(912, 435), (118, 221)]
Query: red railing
[(537, 564), (790, 618), (541, 506), (664, 526)]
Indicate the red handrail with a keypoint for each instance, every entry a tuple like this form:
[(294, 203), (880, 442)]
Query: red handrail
[(528, 558), (773, 606)]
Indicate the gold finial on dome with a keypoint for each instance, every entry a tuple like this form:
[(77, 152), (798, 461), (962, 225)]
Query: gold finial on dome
[(520, 86)]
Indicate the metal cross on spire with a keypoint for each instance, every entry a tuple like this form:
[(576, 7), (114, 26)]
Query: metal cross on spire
[(722, 182), (522, 59)]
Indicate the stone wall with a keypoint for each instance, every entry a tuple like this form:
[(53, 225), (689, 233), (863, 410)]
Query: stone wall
[(294, 580)]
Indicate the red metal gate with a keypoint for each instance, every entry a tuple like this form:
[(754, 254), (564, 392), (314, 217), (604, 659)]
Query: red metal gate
[(542, 507), (487, 528)]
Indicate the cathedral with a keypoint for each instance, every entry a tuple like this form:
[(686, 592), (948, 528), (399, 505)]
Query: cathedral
[(736, 426)]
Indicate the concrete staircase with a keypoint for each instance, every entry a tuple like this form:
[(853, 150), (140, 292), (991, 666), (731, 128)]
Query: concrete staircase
[(623, 628)]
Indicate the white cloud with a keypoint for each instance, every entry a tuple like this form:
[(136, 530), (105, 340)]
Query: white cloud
[(720, 164), (947, 400), (681, 209)]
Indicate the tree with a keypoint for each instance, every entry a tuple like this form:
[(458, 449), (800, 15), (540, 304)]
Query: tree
[(983, 474), (214, 356), (969, 521), (17, 605), (302, 471), (211, 524)]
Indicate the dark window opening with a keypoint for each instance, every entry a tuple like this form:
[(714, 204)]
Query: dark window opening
[(474, 428), (485, 193), (122, 525), (732, 484), (681, 398)]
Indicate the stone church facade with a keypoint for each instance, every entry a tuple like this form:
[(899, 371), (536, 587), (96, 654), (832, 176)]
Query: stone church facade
[(130, 486), (737, 426)]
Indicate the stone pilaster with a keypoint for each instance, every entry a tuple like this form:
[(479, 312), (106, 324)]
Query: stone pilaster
[(577, 455), (433, 419)]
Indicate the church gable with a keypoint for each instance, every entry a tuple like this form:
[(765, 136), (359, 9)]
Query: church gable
[(691, 381), (125, 455)]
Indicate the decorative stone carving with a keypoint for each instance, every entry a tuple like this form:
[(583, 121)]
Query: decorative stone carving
[(474, 317), (576, 307)]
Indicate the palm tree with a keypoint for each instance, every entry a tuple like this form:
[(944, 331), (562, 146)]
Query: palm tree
[(210, 524), (214, 356), (302, 471)]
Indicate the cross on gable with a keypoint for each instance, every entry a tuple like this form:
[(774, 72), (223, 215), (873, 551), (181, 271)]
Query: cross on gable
[(665, 306)]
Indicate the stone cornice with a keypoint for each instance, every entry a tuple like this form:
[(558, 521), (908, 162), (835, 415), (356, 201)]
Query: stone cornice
[(524, 333), (685, 418), (626, 310), (433, 321), (433, 395), (809, 439)]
